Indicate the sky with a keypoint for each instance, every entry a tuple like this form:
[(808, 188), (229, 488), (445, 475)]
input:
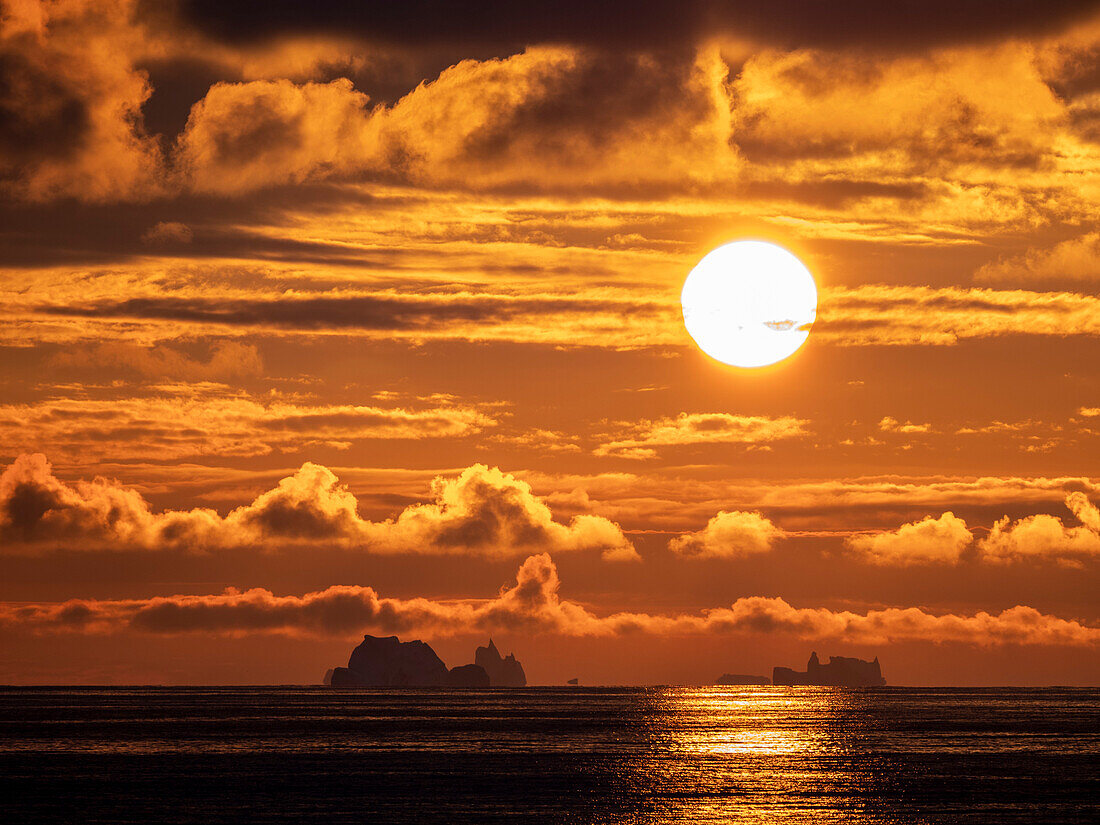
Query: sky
[(336, 318)]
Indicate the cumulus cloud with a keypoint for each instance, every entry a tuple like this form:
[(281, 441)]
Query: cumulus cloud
[(482, 511), (70, 103), (928, 541), (532, 605), (728, 535), (1075, 259), (966, 109), (641, 440), (590, 119), (1040, 537), (243, 136), (1045, 537)]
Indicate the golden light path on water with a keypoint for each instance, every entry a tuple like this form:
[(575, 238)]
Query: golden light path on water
[(786, 753)]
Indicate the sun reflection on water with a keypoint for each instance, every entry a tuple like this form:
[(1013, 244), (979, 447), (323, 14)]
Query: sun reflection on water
[(758, 754), (742, 722)]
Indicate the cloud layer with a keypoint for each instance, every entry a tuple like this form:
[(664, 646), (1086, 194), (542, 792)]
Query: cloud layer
[(212, 420), (642, 440), (532, 605), (480, 512)]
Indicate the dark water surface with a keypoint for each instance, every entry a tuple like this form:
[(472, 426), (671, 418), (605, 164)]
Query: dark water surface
[(690, 755)]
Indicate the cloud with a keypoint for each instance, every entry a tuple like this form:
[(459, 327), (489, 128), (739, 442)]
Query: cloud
[(482, 511), (168, 232), (1075, 259), (805, 113), (606, 317), (1045, 537), (928, 541), (641, 440), (532, 605), (70, 103), (715, 101), (879, 315), (619, 24), (204, 419), (35, 507), (891, 425), (576, 319), (593, 120), (676, 499), (228, 359), (729, 535), (244, 136)]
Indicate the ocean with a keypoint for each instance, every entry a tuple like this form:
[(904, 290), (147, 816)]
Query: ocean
[(569, 755)]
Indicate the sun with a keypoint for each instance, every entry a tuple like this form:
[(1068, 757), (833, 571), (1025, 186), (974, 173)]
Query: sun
[(749, 303)]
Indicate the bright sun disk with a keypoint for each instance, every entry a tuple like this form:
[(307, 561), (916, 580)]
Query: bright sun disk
[(749, 303)]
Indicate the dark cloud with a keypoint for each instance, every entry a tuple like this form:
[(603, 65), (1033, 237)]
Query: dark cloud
[(40, 114), (371, 312), (788, 23), (70, 105), (60, 232)]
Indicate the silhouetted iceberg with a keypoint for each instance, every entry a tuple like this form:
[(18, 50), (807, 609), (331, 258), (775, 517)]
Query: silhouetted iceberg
[(742, 679), (389, 662), (841, 671), (503, 672), (468, 676)]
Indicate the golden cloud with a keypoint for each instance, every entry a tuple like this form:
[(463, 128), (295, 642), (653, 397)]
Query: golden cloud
[(1075, 259), (478, 125), (72, 102), (641, 440), (1044, 537), (533, 605), (480, 512), (227, 359), (890, 424), (1040, 537), (729, 535), (211, 419), (928, 541)]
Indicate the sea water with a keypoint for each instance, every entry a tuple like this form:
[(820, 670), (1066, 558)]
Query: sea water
[(570, 755)]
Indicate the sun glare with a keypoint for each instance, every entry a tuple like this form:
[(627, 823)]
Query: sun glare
[(749, 303)]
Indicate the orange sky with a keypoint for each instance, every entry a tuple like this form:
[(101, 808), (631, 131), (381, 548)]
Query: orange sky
[(354, 319)]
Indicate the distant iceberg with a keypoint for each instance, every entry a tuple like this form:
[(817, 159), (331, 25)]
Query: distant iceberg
[(386, 661), (841, 671), (503, 672)]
